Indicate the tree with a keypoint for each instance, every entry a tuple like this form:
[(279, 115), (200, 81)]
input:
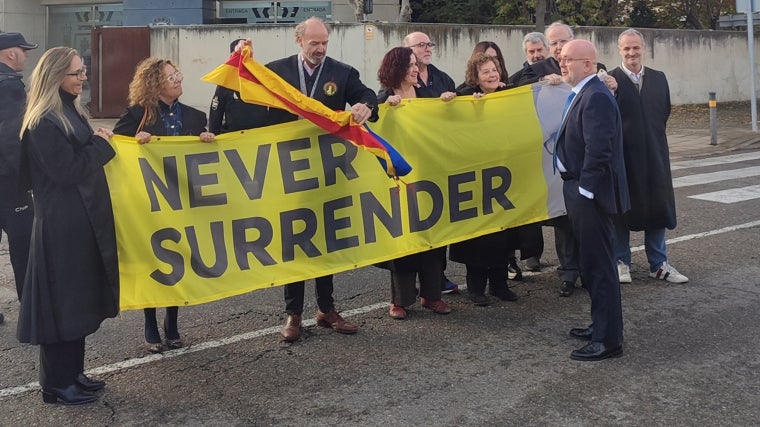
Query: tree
[(642, 16), (358, 9), (405, 14), (454, 12)]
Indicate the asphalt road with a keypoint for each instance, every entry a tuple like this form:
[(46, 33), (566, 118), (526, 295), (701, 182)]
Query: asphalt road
[(692, 354)]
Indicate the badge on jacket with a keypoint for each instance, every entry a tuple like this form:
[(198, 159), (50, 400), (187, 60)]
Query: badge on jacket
[(330, 88), (215, 103)]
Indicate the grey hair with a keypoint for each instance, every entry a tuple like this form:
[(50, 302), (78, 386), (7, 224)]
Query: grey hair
[(560, 24), (631, 32), (535, 37), (301, 27)]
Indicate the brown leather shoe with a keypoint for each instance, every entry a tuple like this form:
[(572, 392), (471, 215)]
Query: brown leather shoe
[(438, 306), (292, 329), (332, 319)]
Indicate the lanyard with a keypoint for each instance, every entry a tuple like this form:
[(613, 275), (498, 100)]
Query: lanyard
[(302, 76)]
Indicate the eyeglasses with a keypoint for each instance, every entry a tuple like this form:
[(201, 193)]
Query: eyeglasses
[(569, 60), (423, 45), (80, 73), (175, 77)]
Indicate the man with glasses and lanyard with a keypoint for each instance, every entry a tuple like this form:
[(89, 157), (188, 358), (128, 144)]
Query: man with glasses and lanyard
[(335, 84)]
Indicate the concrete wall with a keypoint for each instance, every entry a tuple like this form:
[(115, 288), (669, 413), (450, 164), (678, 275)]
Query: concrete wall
[(28, 18), (695, 62)]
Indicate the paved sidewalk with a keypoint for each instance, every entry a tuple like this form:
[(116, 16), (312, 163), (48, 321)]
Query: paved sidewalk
[(685, 143)]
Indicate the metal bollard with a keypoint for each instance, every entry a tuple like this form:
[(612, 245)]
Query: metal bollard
[(713, 104)]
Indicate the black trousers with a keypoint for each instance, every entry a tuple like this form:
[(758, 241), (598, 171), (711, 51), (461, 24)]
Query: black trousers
[(17, 224), (323, 289), (597, 263), (403, 289), (566, 247), (60, 363)]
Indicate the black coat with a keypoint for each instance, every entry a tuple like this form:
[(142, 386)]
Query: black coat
[(645, 147), (12, 102), (193, 122), (72, 282), (534, 72), (339, 79), (229, 113)]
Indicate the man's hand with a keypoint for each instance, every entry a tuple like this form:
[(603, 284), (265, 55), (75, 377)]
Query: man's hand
[(552, 79), (610, 82), (361, 113), (242, 43)]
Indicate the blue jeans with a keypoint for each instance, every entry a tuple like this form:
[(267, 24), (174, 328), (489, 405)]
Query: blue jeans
[(654, 245)]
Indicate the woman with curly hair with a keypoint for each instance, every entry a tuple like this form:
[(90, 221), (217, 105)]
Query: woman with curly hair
[(72, 281), (154, 109), (398, 74), (492, 49), (485, 257)]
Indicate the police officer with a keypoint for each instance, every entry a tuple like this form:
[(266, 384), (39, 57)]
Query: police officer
[(229, 113), (16, 212)]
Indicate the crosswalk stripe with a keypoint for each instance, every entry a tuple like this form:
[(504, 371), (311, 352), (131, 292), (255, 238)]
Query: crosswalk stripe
[(706, 178), (712, 161), (731, 196)]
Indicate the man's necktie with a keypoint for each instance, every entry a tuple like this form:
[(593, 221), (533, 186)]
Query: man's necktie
[(556, 140)]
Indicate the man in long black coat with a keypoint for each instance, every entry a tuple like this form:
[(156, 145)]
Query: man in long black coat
[(644, 100), (336, 85), (16, 211)]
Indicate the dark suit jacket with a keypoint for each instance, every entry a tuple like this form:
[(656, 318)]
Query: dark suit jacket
[(590, 147), (193, 122), (347, 87), (532, 73), (645, 146)]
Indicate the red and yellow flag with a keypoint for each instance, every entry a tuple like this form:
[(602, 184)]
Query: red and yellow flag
[(258, 84)]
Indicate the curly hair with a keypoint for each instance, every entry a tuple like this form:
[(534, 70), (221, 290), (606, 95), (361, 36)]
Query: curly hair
[(471, 72), (394, 66), (482, 47), (146, 86)]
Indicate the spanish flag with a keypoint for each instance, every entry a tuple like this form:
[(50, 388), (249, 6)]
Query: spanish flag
[(258, 84)]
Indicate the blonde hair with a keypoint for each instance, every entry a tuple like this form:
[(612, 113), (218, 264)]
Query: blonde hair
[(44, 84), (146, 86)]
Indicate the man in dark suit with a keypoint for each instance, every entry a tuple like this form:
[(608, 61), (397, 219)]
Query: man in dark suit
[(558, 34), (535, 47), (589, 156), (643, 96), (335, 84)]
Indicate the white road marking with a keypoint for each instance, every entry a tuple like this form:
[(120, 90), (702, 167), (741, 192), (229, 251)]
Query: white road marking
[(129, 363), (731, 196), (706, 178), (712, 161)]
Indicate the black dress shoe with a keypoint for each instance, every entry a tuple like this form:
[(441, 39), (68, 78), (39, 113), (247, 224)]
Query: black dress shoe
[(71, 395), (504, 294), (582, 333), (594, 351), (566, 288), (88, 384)]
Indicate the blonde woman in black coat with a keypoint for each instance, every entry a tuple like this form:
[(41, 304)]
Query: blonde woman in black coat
[(72, 281)]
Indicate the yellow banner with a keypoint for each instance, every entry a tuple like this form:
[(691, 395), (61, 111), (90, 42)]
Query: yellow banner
[(199, 222)]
